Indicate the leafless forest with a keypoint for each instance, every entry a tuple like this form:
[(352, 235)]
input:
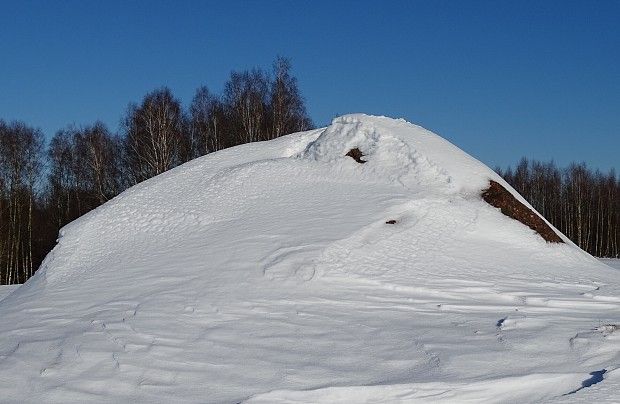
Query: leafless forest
[(581, 203)]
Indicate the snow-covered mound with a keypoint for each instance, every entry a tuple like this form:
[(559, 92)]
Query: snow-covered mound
[(285, 271)]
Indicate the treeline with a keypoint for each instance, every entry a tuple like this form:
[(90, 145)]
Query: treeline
[(581, 203), (43, 188)]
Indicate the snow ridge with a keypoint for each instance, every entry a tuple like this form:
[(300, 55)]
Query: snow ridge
[(389, 157)]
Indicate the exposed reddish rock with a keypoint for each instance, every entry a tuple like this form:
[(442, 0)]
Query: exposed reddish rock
[(497, 196)]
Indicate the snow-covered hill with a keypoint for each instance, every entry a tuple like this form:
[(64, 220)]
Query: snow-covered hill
[(270, 273)]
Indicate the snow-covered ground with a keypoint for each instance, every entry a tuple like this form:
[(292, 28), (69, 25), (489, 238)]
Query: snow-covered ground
[(612, 262), (267, 273), (6, 290)]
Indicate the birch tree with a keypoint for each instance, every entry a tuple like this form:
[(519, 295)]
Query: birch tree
[(208, 124), (245, 99), (287, 107), (21, 149), (154, 135)]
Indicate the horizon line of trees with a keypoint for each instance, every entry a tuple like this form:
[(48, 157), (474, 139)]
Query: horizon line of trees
[(581, 203), (44, 187)]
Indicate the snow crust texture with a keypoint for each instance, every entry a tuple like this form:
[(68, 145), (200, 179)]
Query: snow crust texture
[(267, 273)]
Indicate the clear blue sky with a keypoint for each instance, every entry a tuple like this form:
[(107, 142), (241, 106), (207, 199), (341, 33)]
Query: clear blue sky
[(501, 79)]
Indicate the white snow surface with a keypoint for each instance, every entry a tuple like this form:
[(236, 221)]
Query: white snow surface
[(6, 290), (612, 262), (266, 273)]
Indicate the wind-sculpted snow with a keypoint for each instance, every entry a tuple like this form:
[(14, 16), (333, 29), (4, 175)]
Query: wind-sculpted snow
[(6, 290), (269, 273)]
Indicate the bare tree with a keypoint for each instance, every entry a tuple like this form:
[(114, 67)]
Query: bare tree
[(288, 111), (85, 167), (155, 137), (245, 98), (21, 150), (99, 161), (208, 123)]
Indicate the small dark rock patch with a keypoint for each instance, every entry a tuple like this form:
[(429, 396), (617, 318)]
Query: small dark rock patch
[(356, 154), (391, 222), (497, 196)]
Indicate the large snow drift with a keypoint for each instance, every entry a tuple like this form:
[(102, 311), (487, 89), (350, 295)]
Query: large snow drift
[(267, 273)]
